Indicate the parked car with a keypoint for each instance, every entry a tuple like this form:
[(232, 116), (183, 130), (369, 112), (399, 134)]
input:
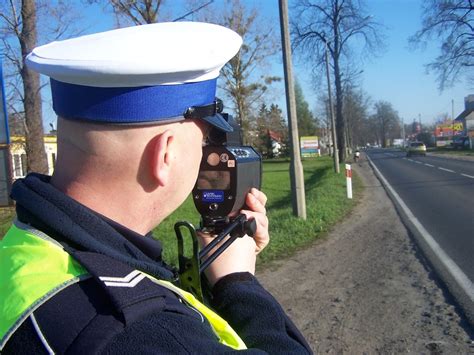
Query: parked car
[(416, 148)]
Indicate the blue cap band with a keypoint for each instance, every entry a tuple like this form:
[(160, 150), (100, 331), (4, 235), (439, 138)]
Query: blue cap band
[(130, 104)]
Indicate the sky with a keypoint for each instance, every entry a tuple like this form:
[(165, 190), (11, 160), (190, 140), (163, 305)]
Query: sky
[(397, 75)]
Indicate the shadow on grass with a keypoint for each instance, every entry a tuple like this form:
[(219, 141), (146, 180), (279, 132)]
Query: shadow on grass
[(276, 171), (277, 160), (310, 184), (315, 179)]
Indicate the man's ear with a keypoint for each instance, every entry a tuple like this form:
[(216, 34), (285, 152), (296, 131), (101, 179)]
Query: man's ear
[(163, 156)]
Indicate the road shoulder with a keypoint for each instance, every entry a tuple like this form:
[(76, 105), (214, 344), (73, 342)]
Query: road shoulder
[(366, 288)]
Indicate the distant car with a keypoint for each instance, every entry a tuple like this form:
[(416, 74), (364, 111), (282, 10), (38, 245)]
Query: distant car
[(416, 148)]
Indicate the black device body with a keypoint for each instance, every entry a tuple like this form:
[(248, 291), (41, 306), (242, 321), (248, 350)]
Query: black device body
[(227, 173)]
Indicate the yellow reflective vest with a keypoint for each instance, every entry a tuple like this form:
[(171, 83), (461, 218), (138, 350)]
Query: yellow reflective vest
[(34, 267)]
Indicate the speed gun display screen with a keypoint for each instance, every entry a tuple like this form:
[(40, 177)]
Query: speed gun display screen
[(213, 180)]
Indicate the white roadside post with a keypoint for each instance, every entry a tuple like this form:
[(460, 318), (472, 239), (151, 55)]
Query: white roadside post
[(349, 180)]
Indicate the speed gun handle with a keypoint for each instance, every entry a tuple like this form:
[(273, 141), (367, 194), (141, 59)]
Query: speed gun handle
[(189, 275), (239, 227)]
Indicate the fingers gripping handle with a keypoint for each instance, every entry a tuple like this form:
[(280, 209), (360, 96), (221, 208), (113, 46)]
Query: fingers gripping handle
[(239, 227), (190, 268)]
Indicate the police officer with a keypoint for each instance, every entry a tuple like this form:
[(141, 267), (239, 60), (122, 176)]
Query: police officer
[(79, 272)]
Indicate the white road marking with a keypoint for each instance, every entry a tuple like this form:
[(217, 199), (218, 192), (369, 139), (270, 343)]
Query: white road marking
[(431, 166), (410, 160), (469, 176), (449, 170), (418, 162), (459, 276), (404, 158)]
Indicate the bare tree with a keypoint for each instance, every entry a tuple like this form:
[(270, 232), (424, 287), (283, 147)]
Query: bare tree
[(355, 109), (19, 20), (240, 82), (244, 81), (336, 25), (134, 12), (141, 12), (387, 122), (451, 23), (19, 34)]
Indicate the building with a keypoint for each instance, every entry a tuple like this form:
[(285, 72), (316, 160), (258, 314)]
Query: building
[(18, 155), (275, 143), (466, 118)]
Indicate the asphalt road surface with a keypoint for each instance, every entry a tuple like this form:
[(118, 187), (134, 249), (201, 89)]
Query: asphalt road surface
[(440, 193)]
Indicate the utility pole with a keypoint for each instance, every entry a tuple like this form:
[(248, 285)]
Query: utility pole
[(296, 167), (335, 153), (452, 109)]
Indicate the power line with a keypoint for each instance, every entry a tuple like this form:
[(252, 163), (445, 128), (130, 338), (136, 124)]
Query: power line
[(193, 11)]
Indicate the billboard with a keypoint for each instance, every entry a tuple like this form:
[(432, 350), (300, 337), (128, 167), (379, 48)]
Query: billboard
[(449, 129), (309, 146)]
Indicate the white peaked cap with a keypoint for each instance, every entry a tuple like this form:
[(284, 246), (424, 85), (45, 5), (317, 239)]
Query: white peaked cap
[(140, 74), (158, 54)]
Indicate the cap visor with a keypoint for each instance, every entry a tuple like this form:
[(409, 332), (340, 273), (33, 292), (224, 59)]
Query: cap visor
[(219, 122)]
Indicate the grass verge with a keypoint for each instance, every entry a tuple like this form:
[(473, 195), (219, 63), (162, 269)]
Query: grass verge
[(6, 217)]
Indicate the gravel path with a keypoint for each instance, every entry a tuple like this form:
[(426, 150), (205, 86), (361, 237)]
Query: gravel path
[(365, 288)]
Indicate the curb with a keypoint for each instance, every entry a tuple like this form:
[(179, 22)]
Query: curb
[(456, 281)]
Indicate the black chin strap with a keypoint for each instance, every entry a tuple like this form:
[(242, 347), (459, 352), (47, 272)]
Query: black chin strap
[(204, 111)]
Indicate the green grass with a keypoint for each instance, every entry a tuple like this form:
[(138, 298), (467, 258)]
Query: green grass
[(326, 204), (6, 217)]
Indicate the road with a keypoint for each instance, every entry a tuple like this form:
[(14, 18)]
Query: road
[(440, 193)]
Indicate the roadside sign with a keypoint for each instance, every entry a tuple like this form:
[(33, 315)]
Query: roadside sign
[(309, 146)]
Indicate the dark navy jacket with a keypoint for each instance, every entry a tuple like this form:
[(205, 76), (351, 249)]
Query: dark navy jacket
[(90, 317)]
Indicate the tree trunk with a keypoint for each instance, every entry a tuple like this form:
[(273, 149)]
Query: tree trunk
[(384, 133), (340, 126), (35, 152)]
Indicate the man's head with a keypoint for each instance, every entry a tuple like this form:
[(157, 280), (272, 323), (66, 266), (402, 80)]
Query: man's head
[(134, 105)]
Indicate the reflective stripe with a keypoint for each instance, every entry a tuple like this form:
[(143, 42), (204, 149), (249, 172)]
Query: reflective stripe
[(34, 267), (43, 339), (32, 270)]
